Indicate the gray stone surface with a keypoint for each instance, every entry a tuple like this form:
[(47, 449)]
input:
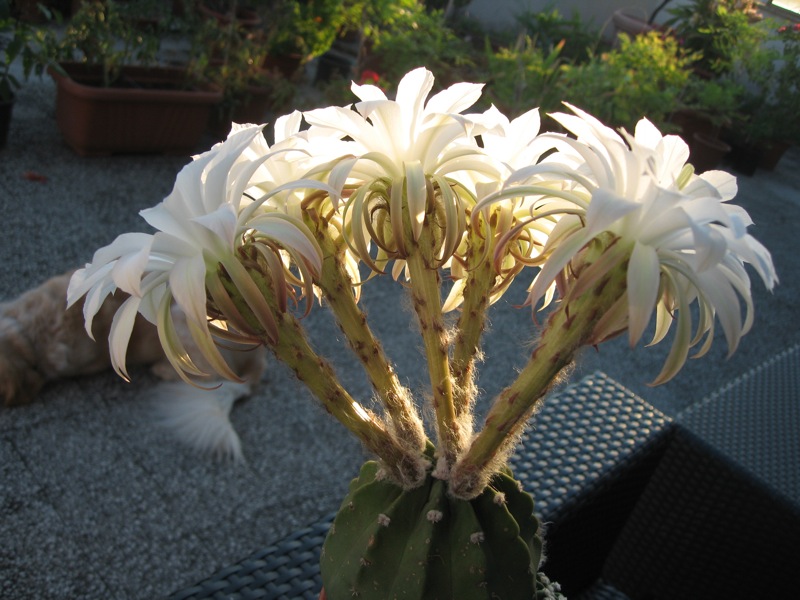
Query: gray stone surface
[(95, 502)]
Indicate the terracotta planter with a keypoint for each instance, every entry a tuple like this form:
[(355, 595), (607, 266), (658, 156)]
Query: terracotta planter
[(745, 157), (152, 115), (772, 154), (691, 122), (6, 108), (707, 151)]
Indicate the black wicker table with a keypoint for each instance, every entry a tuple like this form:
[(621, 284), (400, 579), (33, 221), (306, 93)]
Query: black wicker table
[(586, 460), (720, 517)]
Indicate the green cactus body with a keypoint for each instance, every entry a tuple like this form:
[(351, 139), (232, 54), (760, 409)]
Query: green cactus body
[(387, 543)]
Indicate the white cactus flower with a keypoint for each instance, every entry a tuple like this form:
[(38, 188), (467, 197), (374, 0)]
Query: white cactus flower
[(401, 149), (203, 224), (683, 241)]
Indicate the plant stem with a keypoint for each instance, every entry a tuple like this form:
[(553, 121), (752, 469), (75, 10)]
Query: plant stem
[(426, 297), (292, 348), (337, 285), (471, 323), (405, 467), (567, 330)]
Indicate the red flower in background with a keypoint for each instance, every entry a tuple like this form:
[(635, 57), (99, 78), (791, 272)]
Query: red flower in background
[(373, 78), (368, 75)]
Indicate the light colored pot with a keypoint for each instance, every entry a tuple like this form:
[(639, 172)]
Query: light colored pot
[(627, 20)]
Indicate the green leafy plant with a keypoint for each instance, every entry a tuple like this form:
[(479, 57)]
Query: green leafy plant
[(104, 34), (716, 100), (369, 16), (231, 56), (771, 102), (413, 37), (306, 28), (524, 75), (548, 28), (786, 93), (14, 37), (644, 75), (722, 33), (18, 42)]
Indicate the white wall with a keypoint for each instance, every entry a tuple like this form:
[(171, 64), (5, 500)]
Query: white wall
[(499, 14)]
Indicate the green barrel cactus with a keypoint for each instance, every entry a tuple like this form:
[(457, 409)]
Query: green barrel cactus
[(387, 543)]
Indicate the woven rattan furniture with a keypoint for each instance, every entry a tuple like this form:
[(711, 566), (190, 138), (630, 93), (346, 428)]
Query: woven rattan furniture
[(587, 458), (720, 517)]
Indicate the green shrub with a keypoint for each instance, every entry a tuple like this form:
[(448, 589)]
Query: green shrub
[(643, 76), (524, 76), (415, 37), (722, 33), (548, 28)]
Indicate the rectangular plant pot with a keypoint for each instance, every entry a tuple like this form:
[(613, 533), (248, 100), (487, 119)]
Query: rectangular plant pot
[(152, 115)]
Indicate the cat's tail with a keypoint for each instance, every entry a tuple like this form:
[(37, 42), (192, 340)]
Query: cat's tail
[(200, 417)]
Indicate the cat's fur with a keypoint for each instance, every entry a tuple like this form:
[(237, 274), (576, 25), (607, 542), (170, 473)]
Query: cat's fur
[(43, 341)]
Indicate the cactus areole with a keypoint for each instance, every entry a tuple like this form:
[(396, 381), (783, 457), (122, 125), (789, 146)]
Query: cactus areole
[(389, 543)]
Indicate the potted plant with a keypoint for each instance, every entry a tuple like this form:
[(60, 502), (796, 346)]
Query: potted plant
[(524, 74), (414, 36), (300, 31), (234, 62), (361, 23), (13, 37), (786, 97), (706, 108), (720, 34), (113, 95), (15, 46), (772, 106), (422, 190), (768, 108), (579, 39), (708, 105)]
